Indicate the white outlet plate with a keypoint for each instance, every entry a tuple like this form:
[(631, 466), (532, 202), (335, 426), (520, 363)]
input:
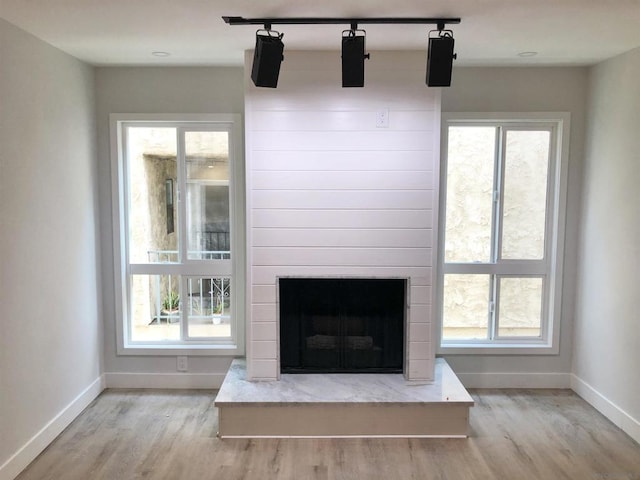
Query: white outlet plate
[(182, 364), (382, 118)]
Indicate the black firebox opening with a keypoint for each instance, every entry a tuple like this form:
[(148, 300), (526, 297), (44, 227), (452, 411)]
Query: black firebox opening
[(330, 325)]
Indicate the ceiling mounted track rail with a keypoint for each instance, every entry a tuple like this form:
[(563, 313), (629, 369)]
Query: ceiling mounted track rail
[(267, 22)]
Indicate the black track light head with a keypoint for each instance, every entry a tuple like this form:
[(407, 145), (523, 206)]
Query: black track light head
[(267, 58), (440, 58), (353, 57)]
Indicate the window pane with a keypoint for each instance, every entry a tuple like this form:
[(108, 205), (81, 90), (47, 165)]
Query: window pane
[(466, 307), (520, 307), (153, 216), (155, 308), (207, 158), (209, 311), (469, 204), (525, 194)]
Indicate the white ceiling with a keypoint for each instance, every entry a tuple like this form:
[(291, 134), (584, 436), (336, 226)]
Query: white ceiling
[(492, 32)]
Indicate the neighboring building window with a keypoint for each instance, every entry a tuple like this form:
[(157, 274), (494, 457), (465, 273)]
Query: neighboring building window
[(502, 220), (177, 271)]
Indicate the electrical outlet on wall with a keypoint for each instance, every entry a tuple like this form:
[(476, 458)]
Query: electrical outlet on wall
[(182, 364), (382, 118)]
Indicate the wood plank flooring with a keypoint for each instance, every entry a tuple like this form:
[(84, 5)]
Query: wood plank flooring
[(171, 435)]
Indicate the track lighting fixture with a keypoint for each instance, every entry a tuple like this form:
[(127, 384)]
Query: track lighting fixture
[(267, 58), (353, 57), (440, 57), (269, 48)]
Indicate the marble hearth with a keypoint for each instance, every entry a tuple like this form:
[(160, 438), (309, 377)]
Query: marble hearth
[(342, 405)]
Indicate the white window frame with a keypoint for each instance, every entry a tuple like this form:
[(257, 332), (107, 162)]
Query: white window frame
[(235, 267), (555, 237)]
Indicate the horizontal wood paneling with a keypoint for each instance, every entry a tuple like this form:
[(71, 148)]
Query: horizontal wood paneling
[(268, 275), (350, 257), (263, 369), (332, 195), (418, 367), (343, 180), (420, 332), (264, 331), (263, 312), (300, 237), (265, 349), (420, 295), (347, 219), (263, 293), (420, 351), (381, 139), (306, 92), (345, 200), (420, 313), (338, 120), (397, 160)]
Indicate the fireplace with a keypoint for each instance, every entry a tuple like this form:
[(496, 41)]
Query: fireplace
[(329, 196), (342, 325)]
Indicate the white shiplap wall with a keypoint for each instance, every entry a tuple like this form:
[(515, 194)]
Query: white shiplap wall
[(329, 194)]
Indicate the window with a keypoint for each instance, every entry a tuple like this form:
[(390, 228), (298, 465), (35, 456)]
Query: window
[(179, 216), (501, 233)]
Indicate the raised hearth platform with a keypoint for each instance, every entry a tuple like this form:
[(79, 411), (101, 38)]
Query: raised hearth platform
[(343, 405)]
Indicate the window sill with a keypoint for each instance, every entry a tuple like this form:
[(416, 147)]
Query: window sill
[(173, 350), (497, 349)]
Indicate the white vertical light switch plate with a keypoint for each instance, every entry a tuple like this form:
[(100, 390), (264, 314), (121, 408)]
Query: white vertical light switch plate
[(382, 118)]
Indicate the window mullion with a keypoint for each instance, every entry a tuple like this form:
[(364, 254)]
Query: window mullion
[(182, 228), (493, 307), (496, 244), (184, 311), (552, 177), (495, 231), (182, 196)]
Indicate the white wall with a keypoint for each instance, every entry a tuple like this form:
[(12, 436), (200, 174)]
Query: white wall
[(210, 90), (476, 89), (330, 194), (154, 90), (607, 329), (51, 329)]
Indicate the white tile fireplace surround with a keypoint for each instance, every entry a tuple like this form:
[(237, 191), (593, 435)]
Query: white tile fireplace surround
[(331, 193)]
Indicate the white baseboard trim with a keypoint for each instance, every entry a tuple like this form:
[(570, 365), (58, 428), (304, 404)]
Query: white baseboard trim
[(164, 380), (36, 444), (630, 425), (515, 380)]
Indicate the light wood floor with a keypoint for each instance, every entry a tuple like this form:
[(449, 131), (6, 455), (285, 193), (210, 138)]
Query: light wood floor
[(171, 435)]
